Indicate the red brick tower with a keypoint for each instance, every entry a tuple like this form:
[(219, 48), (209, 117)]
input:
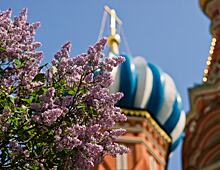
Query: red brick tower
[(201, 147)]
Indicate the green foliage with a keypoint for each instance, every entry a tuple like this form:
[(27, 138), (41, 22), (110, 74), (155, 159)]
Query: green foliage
[(43, 66), (2, 50), (40, 77), (19, 63)]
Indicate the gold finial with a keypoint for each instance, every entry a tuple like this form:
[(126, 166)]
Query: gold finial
[(114, 38)]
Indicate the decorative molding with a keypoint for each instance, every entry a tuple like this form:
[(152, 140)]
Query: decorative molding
[(148, 135), (215, 166), (139, 140), (205, 92), (140, 114)]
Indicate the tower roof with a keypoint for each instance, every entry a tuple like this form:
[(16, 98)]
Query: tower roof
[(210, 7), (203, 4)]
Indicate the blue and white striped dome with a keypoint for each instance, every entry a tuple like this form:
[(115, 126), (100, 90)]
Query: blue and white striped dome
[(147, 87)]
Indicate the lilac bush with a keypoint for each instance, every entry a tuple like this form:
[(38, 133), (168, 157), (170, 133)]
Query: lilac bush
[(59, 118)]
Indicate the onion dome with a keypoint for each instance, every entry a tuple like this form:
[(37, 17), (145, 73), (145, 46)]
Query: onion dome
[(147, 87)]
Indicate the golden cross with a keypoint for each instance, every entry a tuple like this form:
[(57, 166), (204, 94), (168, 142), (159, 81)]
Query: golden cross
[(114, 38)]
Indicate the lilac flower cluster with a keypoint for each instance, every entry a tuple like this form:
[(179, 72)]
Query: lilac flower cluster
[(46, 111), (61, 118), (86, 128), (19, 58)]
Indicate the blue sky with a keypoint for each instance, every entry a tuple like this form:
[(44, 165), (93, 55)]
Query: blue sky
[(173, 34)]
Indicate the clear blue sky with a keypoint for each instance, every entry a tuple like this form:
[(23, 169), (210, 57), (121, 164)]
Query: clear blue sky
[(173, 34)]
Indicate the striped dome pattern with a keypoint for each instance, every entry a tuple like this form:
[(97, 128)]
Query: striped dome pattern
[(147, 87)]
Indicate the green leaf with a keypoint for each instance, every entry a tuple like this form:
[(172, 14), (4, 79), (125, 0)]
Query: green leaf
[(1, 71), (39, 77), (62, 154), (28, 100), (2, 49), (81, 106), (41, 67), (71, 92), (41, 91), (83, 90), (34, 167), (21, 109), (5, 102), (12, 99), (14, 120), (3, 156), (18, 63)]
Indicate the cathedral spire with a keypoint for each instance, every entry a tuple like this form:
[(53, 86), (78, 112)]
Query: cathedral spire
[(212, 71)]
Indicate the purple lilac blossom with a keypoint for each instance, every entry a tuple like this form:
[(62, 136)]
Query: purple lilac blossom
[(67, 119), (17, 38)]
